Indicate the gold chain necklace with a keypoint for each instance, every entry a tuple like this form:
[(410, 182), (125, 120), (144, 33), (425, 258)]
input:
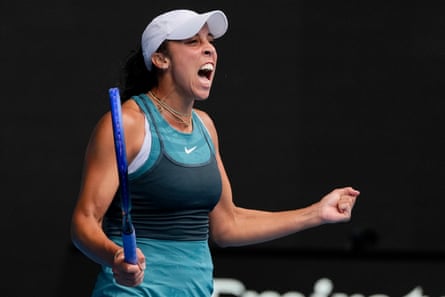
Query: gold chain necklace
[(179, 116)]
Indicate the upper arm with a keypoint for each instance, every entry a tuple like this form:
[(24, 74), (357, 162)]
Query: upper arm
[(100, 177)]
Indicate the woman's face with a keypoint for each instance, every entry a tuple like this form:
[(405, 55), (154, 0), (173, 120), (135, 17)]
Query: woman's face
[(193, 64)]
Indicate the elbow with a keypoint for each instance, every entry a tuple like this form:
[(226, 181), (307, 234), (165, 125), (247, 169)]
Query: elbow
[(221, 243), (222, 238), (74, 235)]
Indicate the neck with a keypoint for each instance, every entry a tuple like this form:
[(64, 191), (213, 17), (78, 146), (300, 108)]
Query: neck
[(183, 118)]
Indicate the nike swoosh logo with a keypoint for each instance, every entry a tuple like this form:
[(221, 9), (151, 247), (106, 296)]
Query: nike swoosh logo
[(189, 150)]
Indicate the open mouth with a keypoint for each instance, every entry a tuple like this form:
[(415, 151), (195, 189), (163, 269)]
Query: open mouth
[(206, 71)]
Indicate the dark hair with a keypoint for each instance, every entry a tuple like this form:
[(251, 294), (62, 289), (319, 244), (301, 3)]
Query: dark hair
[(134, 76)]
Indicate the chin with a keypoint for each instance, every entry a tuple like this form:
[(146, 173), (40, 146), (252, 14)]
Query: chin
[(201, 98), (202, 95)]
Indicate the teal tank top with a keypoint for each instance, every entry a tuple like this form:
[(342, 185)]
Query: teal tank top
[(173, 192)]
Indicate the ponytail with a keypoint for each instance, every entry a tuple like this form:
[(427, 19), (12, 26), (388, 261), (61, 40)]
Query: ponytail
[(135, 79)]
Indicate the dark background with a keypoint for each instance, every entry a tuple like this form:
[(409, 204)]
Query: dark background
[(308, 96)]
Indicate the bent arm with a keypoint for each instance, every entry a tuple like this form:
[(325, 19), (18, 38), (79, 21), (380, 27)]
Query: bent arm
[(100, 182), (231, 225)]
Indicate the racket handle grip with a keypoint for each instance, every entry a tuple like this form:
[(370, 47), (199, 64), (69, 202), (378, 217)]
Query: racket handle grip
[(129, 242)]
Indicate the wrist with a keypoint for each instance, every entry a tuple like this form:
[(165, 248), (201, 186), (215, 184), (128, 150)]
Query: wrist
[(118, 253), (316, 214)]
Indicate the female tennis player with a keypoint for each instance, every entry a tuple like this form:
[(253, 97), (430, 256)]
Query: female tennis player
[(180, 192)]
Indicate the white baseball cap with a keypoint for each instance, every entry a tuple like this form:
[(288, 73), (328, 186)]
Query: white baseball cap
[(179, 24)]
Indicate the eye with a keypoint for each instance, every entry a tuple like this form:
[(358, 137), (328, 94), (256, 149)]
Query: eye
[(192, 41)]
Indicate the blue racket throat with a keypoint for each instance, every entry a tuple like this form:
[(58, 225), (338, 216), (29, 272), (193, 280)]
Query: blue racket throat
[(128, 232)]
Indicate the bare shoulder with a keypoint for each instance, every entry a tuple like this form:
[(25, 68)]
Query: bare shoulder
[(132, 113), (207, 120), (133, 119)]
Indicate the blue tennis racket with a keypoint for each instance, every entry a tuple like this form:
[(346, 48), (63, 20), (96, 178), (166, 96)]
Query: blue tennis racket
[(128, 232)]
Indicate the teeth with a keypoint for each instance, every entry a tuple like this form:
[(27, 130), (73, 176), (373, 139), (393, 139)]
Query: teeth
[(207, 67)]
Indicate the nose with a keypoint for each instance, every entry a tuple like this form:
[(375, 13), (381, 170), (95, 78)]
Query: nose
[(209, 49), (209, 52)]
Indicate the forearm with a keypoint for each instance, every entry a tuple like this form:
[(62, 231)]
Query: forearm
[(249, 226), (89, 238), (234, 226)]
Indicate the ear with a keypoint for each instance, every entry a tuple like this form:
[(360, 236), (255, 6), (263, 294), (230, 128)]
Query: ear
[(160, 61)]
